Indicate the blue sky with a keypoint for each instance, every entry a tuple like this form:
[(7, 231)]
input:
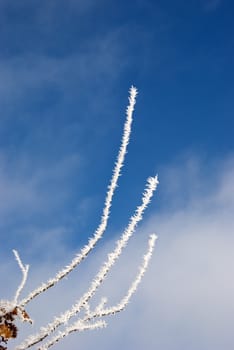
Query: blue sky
[(66, 68)]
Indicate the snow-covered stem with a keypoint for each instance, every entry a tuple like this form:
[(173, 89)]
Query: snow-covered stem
[(78, 326), (141, 273), (24, 269), (152, 183), (106, 210), (100, 311), (123, 303), (82, 324)]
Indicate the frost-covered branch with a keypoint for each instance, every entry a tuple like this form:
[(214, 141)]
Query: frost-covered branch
[(84, 318), (10, 310), (78, 326), (88, 321), (24, 269), (106, 210), (100, 312)]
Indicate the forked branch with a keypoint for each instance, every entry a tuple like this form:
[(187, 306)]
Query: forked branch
[(59, 327), (88, 322)]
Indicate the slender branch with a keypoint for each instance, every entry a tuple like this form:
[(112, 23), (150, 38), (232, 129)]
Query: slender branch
[(24, 270), (106, 210), (125, 300), (78, 326)]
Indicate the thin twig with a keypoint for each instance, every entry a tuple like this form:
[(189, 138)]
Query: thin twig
[(24, 270)]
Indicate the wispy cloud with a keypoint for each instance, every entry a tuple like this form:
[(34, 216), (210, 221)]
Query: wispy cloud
[(31, 203), (211, 5)]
